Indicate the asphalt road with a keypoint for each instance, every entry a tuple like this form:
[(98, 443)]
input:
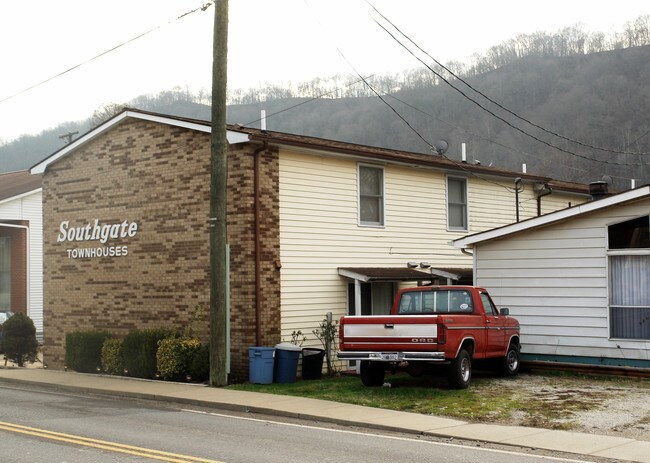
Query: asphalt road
[(42, 426)]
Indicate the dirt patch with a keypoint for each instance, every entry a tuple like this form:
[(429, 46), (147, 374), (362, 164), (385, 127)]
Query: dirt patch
[(607, 406)]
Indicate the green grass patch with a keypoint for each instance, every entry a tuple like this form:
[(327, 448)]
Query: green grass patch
[(426, 395), (547, 399)]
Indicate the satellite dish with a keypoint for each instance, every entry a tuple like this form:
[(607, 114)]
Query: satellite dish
[(440, 147)]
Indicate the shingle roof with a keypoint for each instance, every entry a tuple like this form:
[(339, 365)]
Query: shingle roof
[(370, 153), (17, 183)]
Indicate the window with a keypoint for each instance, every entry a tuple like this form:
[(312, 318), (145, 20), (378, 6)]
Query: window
[(5, 273), (371, 195), (434, 301), (489, 307), (629, 279), (456, 203)]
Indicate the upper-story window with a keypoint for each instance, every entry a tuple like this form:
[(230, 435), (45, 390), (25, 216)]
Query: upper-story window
[(629, 279), (457, 203), (371, 195)]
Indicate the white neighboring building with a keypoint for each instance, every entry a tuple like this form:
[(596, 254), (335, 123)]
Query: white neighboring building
[(21, 245), (577, 279)]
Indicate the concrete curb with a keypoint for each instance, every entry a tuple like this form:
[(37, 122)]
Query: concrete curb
[(332, 412)]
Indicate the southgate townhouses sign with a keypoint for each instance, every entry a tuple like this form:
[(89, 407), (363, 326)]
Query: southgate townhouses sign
[(97, 231)]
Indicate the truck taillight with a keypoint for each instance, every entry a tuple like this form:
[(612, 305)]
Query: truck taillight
[(442, 333)]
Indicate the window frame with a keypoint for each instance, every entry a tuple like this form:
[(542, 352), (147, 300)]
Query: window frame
[(5, 273), (448, 203), (613, 253), (382, 203)]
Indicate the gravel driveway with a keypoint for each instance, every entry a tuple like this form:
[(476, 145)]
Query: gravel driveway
[(611, 406)]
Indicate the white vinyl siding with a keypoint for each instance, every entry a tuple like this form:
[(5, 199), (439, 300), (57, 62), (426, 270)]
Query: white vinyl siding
[(555, 281), (319, 229)]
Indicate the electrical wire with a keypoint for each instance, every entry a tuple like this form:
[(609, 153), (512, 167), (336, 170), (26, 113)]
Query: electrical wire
[(482, 137), (203, 7), (550, 132), (458, 164), (518, 129)]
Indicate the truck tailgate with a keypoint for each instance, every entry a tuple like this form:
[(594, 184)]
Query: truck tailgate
[(385, 333)]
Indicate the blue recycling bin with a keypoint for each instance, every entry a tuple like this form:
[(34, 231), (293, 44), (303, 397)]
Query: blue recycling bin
[(261, 361), (286, 362)]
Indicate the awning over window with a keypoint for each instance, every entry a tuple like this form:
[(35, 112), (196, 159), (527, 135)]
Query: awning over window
[(378, 274)]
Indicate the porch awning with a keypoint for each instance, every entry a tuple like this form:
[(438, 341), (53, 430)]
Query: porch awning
[(379, 274)]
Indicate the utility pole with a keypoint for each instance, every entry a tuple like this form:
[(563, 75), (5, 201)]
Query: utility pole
[(218, 197)]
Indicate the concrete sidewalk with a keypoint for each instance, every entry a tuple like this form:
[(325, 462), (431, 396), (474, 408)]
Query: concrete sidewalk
[(563, 441)]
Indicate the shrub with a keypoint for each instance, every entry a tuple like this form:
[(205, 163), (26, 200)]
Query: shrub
[(178, 357), (200, 364), (83, 350), (139, 349), (112, 360), (19, 339)]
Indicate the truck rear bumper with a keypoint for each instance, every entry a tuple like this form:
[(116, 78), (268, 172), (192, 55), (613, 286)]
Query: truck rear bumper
[(393, 356)]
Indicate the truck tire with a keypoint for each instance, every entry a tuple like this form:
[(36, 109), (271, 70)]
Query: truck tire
[(460, 370), (510, 363), (372, 373)]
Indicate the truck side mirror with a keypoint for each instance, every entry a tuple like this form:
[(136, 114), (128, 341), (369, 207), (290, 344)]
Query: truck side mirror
[(504, 312)]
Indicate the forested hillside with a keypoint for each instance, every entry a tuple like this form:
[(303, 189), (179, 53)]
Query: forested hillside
[(571, 106)]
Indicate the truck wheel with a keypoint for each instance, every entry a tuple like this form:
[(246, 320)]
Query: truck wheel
[(372, 374), (460, 370), (510, 363)]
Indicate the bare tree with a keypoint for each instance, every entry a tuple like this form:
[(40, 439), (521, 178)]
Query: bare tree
[(105, 112)]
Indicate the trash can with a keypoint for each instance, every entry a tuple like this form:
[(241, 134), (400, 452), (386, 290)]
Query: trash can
[(312, 363), (286, 362), (261, 360)]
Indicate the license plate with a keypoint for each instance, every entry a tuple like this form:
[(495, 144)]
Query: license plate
[(389, 357)]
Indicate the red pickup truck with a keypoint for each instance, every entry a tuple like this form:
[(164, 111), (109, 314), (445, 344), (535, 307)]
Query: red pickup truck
[(429, 325)]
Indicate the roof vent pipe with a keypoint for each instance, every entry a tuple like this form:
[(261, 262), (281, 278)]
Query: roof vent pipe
[(463, 152), (523, 168), (263, 120), (633, 183), (598, 190)]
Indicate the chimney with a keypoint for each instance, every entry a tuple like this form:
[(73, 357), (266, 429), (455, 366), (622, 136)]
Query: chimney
[(598, 190)]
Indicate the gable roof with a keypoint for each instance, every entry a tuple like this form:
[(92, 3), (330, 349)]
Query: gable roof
[(554, 217), (240, 134), (19, 183)]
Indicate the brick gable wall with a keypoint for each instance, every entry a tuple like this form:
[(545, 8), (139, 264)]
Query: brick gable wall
[(158, 176)]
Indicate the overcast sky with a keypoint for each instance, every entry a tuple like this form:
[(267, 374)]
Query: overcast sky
[(275, 41)]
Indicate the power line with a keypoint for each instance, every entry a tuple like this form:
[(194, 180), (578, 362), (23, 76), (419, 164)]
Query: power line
[(518, 129), (418, 134), (578, 142), (133, 39), (477, 135)]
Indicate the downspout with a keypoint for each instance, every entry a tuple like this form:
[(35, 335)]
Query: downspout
[(548, 191), (517, 183), (258, 258)]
